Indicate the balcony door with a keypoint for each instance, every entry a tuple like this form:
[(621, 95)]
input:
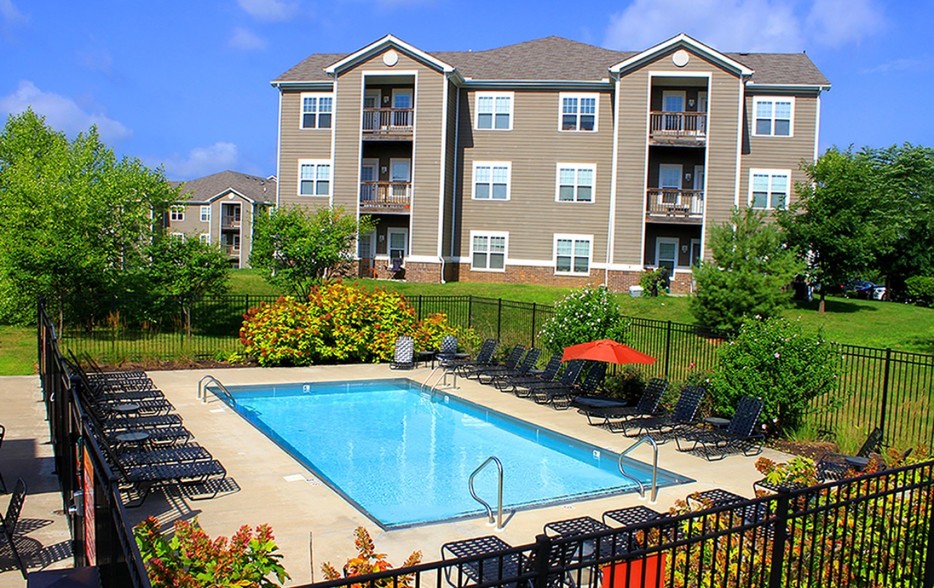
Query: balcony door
[(697, 202), (402, 104), (371, 104), (400, 175), (369, 175), (673, 102), (669, 184)]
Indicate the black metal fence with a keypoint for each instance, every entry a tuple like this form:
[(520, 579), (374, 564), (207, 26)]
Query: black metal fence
[(101, 535), (875, 530), (883, 387)]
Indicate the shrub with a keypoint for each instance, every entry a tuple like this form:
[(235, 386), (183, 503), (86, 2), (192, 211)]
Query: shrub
[(432, 329), (338, 324), (772, 359), (587, 314), (921, 289), (654, 282), (627, 384), (190, 558), (368, 561)]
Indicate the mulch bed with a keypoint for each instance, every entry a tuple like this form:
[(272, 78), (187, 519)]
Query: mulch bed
[(812, 449)]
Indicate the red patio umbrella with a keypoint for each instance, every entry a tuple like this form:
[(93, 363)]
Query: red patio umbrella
[(606, 350)]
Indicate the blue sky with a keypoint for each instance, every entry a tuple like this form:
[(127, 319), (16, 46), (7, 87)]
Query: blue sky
[(185, 83)]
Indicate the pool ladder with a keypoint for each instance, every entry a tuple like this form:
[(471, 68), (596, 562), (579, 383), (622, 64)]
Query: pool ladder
[(622, 471), (442, 372), (499, 500), (203, 389)]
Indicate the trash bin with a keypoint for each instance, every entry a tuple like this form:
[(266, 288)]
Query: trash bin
[(635, 291)]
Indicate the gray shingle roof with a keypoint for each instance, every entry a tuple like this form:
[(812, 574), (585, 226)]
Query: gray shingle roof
[(559, 59), (262, 190)]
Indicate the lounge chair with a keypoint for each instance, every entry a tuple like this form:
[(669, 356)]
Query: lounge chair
[(491, 561), (514, 383), (558, 393), (560, 396), (484, 358), (663, 428), (500, 378), (612, 413), (404, 355), (13, 510), (834, 466), (509, 364), (740, 434)]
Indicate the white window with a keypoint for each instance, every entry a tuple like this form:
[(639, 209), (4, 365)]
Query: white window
[(774, 117), (205, 238), (768, 188), (666, 253), (575, 182), (491, 180), (398, 243), (205, 214), (314, 178), (578, 112), (572, 254), (488, 251), (316, 110), (179, 236), (177, 213), (494, 110)]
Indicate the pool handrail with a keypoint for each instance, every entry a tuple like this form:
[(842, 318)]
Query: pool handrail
[(203, 389), (619, 464), (499, 500)]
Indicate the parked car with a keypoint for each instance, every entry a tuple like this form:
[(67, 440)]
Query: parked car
[(864, 289)]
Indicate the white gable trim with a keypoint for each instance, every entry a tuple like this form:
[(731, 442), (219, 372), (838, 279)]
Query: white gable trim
[(231, 191), (389, 41), (681, 40)]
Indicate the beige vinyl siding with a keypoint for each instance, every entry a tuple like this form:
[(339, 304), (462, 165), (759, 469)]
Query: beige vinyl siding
[(780, 152), (630, 181), (723, 136), (295, 144), (450, 154), (534, 147)]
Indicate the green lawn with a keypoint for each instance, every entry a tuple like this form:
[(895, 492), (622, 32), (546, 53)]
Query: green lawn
[(17, 351)]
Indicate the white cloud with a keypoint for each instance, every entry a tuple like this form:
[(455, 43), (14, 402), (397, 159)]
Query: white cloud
[(10, 14), (270, 9), (911, 64), (202, 161), (745, 25), (61, 113), (245, 40)]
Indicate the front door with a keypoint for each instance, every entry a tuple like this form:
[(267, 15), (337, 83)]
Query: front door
[(669, 183)]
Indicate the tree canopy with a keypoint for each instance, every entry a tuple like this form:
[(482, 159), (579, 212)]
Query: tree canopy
[(748, 272), (297, 249), (73, 218)]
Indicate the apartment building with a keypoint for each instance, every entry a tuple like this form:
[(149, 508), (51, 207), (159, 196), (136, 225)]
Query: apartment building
[(220, 208), (548, 161)]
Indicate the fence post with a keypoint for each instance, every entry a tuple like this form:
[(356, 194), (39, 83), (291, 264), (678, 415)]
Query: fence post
[(418, 307), (885, 388), (541, 552), (533, 324), (499, 318), (469, 311), (778, 542), (667, 348)]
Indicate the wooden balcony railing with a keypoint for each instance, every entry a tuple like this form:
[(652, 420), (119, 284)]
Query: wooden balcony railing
[(674, 205), (233, 250), (666, 126), (230, 223), (385, 196), (388, 122)]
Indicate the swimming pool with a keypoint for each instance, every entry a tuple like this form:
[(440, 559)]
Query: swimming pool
[(403, 456)]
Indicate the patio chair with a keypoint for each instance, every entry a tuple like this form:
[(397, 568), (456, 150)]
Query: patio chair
[(13, 510), (739, 435), (834, 466), (484, 358), (612, 413), (404, 355), (514, 383), (664, 427), (510, 363), (559, 393), (560, 397), (447, 350), (499, 379), (491, 561)]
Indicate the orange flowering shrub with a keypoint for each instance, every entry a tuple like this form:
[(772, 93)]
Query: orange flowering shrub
[(338, 324), (368, 561)]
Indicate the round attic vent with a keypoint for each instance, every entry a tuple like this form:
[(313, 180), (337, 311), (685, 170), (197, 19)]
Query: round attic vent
[(680, 58), (390, 58)]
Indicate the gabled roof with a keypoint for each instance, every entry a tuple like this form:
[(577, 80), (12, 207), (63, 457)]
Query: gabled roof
[(209, 188), (563, 60), (377, 47), (676, 42)]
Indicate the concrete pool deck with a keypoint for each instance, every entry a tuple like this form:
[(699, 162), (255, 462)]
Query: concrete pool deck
[(313, 524)]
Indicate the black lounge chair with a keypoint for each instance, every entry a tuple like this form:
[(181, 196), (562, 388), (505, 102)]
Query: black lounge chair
[(13, 510), (500, 379), (189, 452), (739, 435), (559, 393), (834, 466), (484, 358), (663, 428), (490, 561), (512, 360), (515, 383), (560, 397), (612, 413), (404, 355)]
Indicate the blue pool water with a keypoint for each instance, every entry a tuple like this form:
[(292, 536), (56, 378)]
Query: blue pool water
[(404, 456)]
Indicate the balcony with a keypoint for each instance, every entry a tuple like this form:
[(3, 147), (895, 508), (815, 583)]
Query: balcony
[(388, 124), (678, 128), (671, 205), (385, 197), (231, 250), (230, 223)]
